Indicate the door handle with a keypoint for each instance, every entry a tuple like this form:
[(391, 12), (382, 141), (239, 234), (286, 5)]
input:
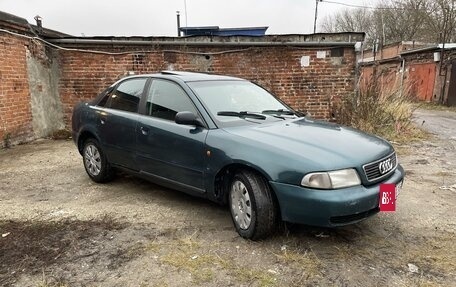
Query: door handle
[(102, 121), (145, 131)]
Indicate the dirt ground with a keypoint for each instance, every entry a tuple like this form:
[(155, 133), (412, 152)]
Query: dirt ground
[(58, 228)]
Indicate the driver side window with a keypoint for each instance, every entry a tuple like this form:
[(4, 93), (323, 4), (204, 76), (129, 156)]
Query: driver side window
[(166, 99)]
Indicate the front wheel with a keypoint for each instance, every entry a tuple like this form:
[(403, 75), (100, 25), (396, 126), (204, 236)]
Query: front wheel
[(253, 208), (95, 163)]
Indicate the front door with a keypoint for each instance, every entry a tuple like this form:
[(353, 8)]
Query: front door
[(167, 150)]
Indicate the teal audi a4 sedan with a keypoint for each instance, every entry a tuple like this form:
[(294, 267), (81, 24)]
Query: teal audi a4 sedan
[(231, 141)]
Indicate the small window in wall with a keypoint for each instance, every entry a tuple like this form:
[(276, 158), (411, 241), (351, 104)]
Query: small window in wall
[(127, 95), (337, 52), (139, 60), (166, 99)]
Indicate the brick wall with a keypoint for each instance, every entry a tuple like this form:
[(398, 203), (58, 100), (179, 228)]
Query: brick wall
[(278, 68), (38, 81), (15, 109), (393, 50)]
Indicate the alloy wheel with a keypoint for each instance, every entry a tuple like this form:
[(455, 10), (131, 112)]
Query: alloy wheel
[(241, 206), (92, 159)]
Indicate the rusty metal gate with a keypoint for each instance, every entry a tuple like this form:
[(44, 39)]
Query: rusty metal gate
[(422, 79)]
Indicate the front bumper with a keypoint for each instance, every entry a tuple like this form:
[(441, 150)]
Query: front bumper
[(330, 207)]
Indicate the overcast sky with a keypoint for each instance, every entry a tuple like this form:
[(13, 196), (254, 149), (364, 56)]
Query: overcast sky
[(158, 17)]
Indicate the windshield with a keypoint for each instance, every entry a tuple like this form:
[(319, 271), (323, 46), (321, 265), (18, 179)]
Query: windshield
[(220, 97)]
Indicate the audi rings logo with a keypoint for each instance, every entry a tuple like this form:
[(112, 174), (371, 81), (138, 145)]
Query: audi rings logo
[(385, 166)]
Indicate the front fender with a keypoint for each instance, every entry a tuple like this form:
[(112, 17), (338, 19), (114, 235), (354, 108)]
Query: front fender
[(226, 149)]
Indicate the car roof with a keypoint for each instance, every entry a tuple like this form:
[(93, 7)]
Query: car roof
[(190, 76)]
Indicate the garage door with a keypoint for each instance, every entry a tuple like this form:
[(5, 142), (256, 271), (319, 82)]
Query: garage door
[(422, 78)]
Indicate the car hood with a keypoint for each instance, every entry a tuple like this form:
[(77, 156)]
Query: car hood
[(316, 145)]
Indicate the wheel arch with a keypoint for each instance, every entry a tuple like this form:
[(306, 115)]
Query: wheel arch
[(224, 176), (83, 136)]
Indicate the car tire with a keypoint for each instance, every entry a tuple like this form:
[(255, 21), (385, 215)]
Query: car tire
[(252, 205), (95, 162)]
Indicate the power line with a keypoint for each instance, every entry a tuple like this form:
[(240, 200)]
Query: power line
[(368, 7)]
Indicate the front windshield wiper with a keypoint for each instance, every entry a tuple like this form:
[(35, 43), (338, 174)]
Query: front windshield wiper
[(278, 112), (242, 114), (283, 112)]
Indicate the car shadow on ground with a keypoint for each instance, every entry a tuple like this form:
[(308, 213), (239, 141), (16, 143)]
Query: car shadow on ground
[(181, 201)]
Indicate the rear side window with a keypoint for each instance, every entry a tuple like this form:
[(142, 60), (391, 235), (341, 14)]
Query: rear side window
[(127, 95), (166, 99)]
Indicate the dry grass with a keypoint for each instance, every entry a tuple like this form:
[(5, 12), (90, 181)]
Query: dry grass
[(445, 177), (247, 274), (386, 113), (434, 106), (6, 140), (199, 266), (187, 254), (304, 260), (444, 174), (437, 256), (62, 134), (51, 281)]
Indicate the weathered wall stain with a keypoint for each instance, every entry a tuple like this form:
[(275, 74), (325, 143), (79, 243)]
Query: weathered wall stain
[(47, 113)]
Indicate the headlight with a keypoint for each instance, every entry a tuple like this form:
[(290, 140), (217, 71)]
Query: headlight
[(331, 179)]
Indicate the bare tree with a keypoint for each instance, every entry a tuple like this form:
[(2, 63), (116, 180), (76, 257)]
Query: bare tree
[(398, 20), (357, 20), (350, 20), (441, 21)]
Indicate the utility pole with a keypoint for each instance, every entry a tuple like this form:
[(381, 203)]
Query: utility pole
[(316, 13)]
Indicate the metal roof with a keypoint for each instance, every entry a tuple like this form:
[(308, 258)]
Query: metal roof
[(12, 18), (448, 46), (217, 31), (311, 40)]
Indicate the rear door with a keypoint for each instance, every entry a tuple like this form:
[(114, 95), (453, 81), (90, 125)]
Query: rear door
[(166, 150), (117, 122)]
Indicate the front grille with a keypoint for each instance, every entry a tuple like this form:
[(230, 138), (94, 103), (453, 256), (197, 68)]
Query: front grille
[(372, 170), (346, 219)]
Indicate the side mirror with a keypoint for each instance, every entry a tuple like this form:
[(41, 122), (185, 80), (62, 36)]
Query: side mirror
[(188, 118)]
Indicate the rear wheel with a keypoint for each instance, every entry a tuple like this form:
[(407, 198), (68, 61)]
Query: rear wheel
[(253, 209), (95, 162)]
